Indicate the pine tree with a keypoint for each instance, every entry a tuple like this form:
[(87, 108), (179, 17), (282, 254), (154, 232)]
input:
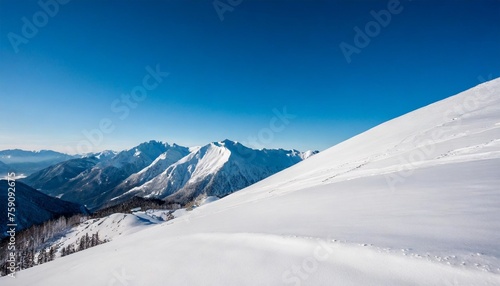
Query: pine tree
[(52, 253), (31, 258), (45, 255), (71, 249), (82, 244), (88, 242), (41, 257)]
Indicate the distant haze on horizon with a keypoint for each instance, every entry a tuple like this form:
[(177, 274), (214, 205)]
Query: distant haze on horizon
[(306, 75), (70, 151)]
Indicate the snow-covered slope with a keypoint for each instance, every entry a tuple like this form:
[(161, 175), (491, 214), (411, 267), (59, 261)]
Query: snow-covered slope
[(160, 164), (414, 201), (109, 228)]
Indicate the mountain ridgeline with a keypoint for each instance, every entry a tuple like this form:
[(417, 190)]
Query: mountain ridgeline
[(162, 171)]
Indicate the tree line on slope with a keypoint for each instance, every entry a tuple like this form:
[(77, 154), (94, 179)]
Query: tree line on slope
[(38, 244), (134, 203)]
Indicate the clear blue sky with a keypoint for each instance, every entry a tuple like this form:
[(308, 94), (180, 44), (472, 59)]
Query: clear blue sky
[(226, 77)]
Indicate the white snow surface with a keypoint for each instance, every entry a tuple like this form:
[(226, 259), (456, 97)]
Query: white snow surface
[(208, 200), (413, 201), (109, 228)]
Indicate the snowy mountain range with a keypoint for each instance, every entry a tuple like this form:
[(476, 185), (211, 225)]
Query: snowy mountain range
[(413, 201), (24, 163), (159, 170)]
